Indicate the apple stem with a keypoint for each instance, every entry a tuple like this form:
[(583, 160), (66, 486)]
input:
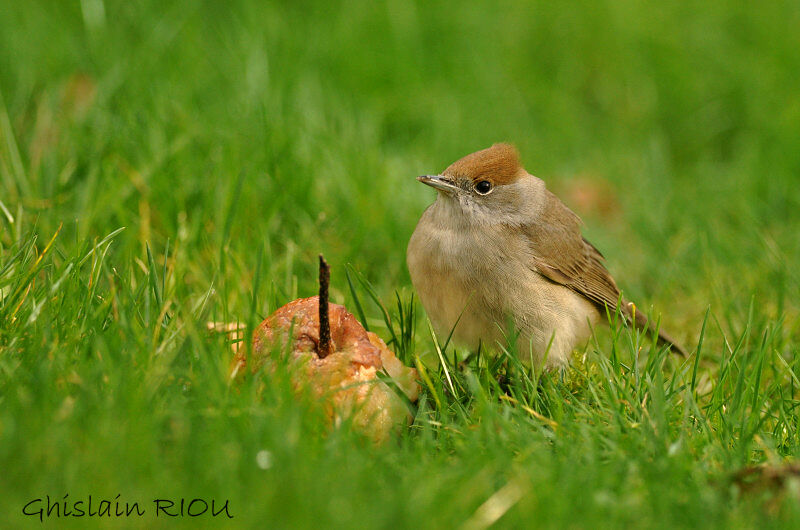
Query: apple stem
[(324, 323)]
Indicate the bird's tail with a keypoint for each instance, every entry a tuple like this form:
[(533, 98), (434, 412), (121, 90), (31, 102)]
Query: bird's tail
[(644, 324)]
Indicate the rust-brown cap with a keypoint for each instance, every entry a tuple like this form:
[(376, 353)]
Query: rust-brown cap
[(498, 164)]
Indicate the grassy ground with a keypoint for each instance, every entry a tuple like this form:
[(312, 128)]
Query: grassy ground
[(167, 163)]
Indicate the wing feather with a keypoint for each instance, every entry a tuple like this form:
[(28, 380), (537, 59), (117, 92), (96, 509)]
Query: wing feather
[(563, 256)]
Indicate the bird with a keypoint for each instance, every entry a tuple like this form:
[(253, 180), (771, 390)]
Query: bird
[(497, 248)]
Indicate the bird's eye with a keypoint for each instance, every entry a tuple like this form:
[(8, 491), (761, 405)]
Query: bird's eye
[(483, 187)]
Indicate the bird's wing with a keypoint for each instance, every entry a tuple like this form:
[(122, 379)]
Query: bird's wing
[(561, 254)]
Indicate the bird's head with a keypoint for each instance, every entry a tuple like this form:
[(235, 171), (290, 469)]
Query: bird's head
[(488, 186)]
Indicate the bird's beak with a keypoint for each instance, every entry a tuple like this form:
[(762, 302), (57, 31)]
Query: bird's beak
[(439, 182)]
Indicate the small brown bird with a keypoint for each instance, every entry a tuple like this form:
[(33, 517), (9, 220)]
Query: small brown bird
[(497, 247)]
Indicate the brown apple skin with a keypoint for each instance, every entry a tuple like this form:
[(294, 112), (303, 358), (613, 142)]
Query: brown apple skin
[(346, 380)]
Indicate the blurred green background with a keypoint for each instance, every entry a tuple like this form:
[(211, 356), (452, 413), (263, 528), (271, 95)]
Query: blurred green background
[(218, 132)]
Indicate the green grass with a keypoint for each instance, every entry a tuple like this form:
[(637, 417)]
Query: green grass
[(167, 163)]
